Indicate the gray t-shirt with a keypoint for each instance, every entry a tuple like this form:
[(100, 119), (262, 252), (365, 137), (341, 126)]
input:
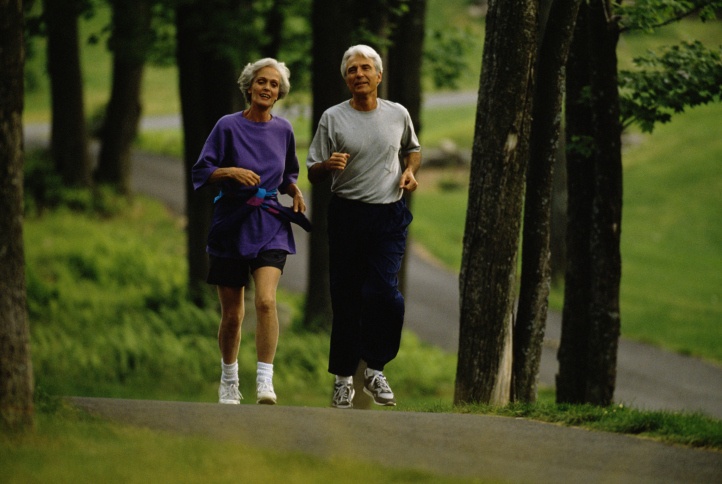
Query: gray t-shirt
[(377, 141)]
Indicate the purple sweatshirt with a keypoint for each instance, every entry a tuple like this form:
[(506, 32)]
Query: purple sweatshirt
[(269, 150)]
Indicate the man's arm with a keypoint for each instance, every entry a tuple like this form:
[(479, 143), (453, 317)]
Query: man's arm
[(320, 171), (408, 179)]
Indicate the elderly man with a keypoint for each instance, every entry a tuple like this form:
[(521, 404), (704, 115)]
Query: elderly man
[(369, 148)]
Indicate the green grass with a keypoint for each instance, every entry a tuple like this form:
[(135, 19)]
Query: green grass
[(672, 238)]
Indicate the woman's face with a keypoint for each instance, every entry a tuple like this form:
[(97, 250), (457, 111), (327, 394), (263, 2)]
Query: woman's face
[(265, 87)]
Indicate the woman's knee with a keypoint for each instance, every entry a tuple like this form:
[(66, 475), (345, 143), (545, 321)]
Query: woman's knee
[(265, 303)]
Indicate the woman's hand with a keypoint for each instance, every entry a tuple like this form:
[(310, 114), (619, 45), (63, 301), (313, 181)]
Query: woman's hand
[(245, 177), (241, 176)]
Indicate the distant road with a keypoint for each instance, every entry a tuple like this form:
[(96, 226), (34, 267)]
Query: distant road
[(647, 377)]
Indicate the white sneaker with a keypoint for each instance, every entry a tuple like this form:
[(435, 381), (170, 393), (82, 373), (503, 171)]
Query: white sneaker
[(264, 393), (228, 393), (377, 387)]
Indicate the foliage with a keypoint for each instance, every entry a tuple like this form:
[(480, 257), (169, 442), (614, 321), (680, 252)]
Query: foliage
[(647, 15), (446, 55), (44, 190), (684, 76)]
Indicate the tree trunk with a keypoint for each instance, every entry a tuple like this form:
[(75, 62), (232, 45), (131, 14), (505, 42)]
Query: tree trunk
[(580, 176), (536, 272), (129, 43), (496, 189), (606, 227), (208, 91), (332, 28), (591, 321), (16, 376), (68, 136), (404, 81)]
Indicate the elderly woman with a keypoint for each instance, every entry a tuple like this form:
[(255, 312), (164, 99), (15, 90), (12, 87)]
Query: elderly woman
[(251, 156)]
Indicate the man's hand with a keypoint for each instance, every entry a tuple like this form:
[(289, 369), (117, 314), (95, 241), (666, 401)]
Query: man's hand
[(320, 171), (408, 181), (337, 161)]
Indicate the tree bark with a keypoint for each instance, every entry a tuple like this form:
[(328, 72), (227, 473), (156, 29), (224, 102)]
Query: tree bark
[(332, 28), (129, 43), (491, 235), (590, 319), (544, 146), (207, 75), (580, 175), (69, 135), (16, 376)]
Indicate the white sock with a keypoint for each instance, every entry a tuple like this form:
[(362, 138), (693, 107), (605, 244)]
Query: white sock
[(344, 379), (229, 372), (264, 371), (368, 372)]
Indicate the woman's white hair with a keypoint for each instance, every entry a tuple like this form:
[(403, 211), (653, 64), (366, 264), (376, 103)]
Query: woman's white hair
[(363, 51), (251, 70)]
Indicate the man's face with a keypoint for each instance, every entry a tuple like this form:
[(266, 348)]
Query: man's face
[(362, 78)]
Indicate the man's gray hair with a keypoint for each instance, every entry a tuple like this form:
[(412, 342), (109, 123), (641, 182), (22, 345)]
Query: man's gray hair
[(251, 70), (363, 51)]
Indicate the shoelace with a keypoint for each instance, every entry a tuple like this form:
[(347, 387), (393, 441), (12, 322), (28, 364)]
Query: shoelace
[(379, 381), (265, 387), (231, 391), (342, 392)]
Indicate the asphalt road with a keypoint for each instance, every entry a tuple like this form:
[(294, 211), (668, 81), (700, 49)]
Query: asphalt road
[(492, 449)]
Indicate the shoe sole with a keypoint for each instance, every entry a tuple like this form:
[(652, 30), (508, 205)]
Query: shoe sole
[(229, 402), (381, 404), (266, 401), (342, 407)]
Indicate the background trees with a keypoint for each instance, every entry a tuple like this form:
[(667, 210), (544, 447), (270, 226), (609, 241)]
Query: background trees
[(130, 43), (69, 134)]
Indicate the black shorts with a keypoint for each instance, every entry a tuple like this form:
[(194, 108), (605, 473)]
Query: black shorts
[(224, 271)]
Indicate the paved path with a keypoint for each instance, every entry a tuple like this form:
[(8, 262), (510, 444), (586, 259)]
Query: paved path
[(495, 449)]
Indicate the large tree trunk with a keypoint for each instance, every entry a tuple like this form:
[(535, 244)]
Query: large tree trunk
[(332, 28), (591, 320), (16, 376), (580, 183), (208, 91), (496, 189), (130, 43), (68, 136), (536, 272)]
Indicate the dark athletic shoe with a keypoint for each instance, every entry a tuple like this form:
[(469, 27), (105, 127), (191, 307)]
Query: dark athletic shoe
[(342, 395), (378, 388)]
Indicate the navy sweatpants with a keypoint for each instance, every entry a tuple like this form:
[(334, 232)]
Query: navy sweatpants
[(366, 246)]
